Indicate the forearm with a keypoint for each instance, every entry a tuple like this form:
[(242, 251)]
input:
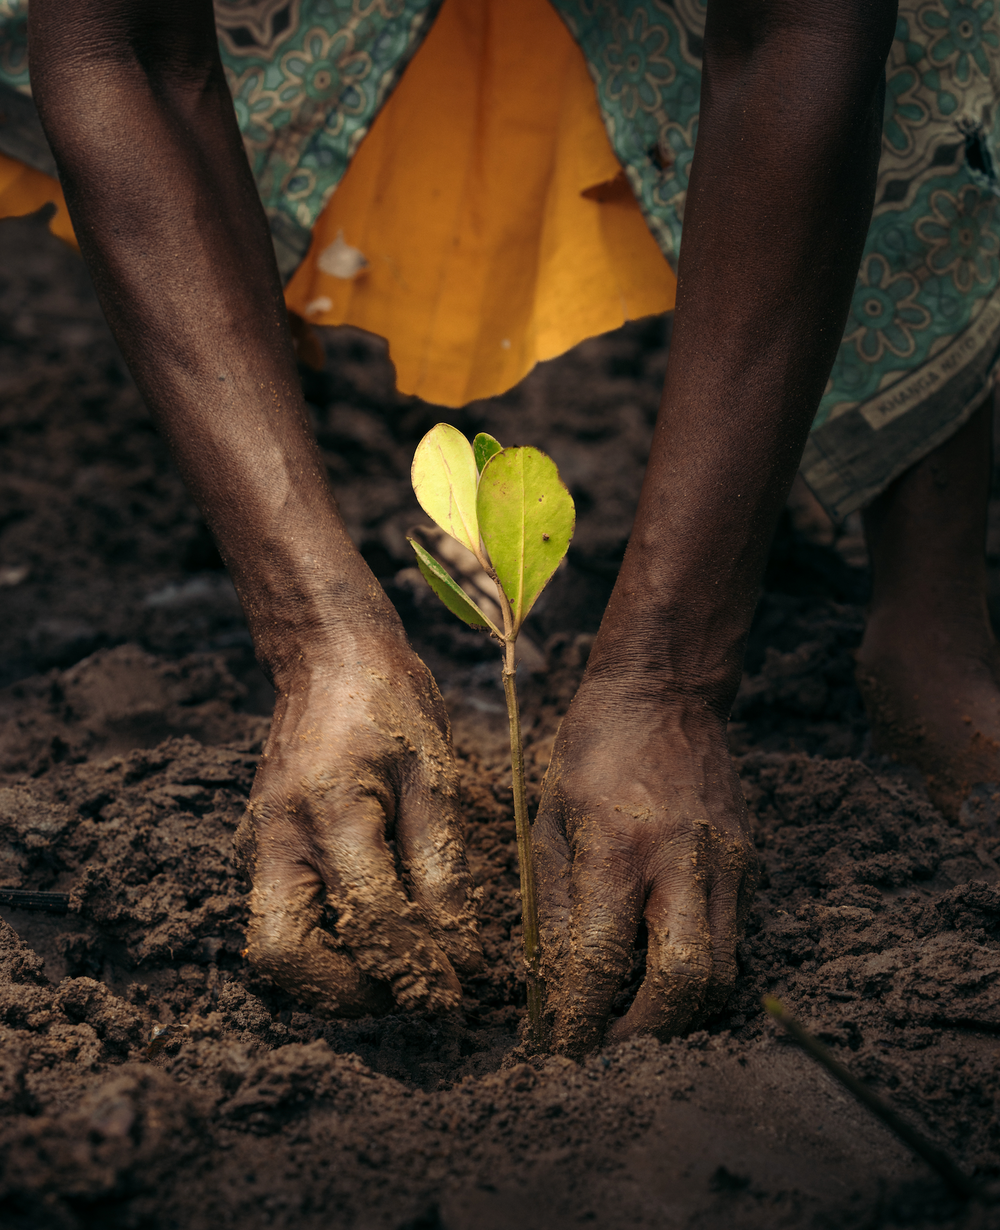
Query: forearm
[(171, 227), (778, 208)]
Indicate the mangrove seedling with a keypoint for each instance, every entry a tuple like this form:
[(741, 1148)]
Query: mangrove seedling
[(509, 507)]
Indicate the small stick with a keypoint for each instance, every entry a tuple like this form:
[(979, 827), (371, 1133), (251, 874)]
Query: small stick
[(27, 899), (959, 1182)]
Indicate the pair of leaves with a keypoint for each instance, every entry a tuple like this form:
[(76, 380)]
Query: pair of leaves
[(507, 506)]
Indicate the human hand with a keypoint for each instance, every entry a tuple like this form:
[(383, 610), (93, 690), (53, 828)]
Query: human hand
[(642, 816), (359, 756)]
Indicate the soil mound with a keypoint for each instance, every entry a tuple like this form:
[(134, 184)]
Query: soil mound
[(149, 1079), (148, 1074)]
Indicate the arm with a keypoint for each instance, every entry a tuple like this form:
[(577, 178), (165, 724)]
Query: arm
[(136, 108), (643, 816)]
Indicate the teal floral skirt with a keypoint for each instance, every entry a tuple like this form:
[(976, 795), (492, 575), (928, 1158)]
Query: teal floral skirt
[(922, 341)]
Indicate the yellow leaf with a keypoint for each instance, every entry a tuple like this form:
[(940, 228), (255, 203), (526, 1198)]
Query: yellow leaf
[(444, 476)]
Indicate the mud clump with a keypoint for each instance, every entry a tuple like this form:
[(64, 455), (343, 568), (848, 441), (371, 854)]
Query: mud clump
[(878, 924), (116, 700)]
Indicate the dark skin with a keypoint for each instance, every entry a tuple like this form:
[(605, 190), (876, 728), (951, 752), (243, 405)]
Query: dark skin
[(642, 814), (928, 666), (359, 746)]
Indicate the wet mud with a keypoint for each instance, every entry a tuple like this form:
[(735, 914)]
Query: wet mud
[(149, 1079)]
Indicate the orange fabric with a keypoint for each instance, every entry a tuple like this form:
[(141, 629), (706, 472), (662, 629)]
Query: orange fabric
[(495, 219), (466, 199), (23, 190)]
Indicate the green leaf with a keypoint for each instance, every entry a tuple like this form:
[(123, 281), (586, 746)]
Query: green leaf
[(483, 448), (444, 476), (450, 592), (526, 517)]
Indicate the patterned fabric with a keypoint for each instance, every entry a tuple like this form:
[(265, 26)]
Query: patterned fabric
[(923, 338), (309, 76), (14, 44), (645, 60)]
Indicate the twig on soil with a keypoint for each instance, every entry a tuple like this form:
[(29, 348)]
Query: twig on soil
[(26, 899), (957, 1180)]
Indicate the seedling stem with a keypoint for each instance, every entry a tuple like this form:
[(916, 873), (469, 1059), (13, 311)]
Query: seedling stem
[(512, 511), (529, 899)]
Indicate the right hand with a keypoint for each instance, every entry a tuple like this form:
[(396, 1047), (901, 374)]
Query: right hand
[(642, 818), (359, 756)]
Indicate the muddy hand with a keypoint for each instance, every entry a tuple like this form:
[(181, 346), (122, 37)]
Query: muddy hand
[(359, 757), (642, 817)]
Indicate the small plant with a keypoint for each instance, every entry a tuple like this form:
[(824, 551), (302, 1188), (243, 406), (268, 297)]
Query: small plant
[(509, 507)]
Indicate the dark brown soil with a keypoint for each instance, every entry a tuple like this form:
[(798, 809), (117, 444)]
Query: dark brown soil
[(148, 1079)]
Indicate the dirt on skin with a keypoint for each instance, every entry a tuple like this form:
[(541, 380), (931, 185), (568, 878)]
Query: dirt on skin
[(149, 1079)]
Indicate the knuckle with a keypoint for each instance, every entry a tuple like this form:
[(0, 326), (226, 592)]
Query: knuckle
[(271, 945), (687, 969), (549, 844), (262, 825), (281, 918), (605, 954), (306, 962), (739, 858), (458, 938), (468, 958)]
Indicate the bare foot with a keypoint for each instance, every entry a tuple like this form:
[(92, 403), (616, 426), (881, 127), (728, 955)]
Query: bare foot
[(933, 699), (359, 757), (642, 816), (928, 668)]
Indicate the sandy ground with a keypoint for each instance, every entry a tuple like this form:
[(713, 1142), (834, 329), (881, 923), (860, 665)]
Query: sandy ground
[(131, 714)]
